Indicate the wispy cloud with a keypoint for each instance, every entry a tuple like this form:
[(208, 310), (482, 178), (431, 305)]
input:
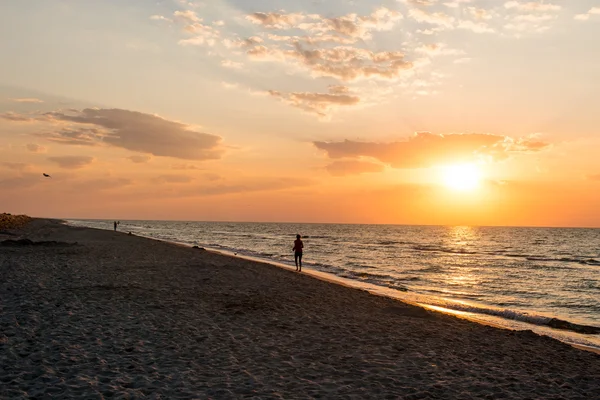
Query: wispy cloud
[(586, 16), (174, 178), (434, 18), (72, 162), (29, 100), (539, 6), (319, 103), (426, 149)]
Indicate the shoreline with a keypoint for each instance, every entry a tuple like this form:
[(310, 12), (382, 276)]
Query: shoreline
[(394, 294), (124, 315)]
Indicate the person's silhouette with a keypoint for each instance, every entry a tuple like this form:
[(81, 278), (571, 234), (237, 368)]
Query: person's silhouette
[(298, 246)]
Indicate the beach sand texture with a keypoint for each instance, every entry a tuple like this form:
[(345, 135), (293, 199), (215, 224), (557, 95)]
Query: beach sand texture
[(123, 316)]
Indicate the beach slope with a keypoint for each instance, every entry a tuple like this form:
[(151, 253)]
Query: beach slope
[(96, 314)]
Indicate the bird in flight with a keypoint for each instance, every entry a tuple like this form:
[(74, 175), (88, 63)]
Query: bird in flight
[(47, 176)]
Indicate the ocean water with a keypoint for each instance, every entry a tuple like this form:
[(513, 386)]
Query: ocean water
[(518, 278)]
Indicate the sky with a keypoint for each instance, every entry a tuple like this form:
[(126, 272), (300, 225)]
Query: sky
[(449, 112)]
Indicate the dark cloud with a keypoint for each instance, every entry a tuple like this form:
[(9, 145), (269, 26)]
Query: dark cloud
[(71, 162), (78, 136), (353, 167), (137, 132), (141, 159), (426, 149), (318, 103)]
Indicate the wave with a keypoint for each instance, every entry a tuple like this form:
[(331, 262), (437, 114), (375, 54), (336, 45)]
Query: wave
[(539, 320)]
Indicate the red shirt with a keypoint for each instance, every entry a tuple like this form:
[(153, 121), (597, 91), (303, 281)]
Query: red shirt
[(298, 245)]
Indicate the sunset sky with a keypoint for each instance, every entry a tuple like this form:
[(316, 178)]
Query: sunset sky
[(302, 111)]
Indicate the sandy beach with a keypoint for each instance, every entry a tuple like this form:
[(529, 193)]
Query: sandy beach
[(100, 314)]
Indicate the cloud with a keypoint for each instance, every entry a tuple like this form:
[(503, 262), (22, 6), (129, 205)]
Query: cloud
[(350, 26), (139, 159), (232, 64), (535, 17), (174, 178), (76, 136), (479, 13), (183, 166), (28, 100), (274, 20), (318, 103), (135, 131), (202, 34), (436, 18), (71, 162), (457, 3), (477, 27), (313, 52), (417, 3), (35, 148), (586, 16), (532, 6), (249, 186), (353, 167), (11, 116), (342, 62), (426, 149), (436, 49), (338, 89), (17, 166), (160, 18)]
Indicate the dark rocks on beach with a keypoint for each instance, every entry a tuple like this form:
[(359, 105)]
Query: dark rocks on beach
[(9, 221), (198, 248)]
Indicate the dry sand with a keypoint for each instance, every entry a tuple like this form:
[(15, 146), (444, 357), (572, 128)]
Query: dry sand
[(124, 316)]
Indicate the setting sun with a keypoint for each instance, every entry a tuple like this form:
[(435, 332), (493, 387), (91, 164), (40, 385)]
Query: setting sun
[(461, 177)]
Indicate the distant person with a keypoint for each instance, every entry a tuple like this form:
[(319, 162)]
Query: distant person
[(298, 246), (115, 225)]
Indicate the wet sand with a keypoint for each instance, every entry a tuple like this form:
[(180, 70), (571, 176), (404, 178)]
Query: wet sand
[(123, 316)]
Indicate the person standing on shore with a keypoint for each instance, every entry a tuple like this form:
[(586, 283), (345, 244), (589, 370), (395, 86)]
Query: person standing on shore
[(298, 246)]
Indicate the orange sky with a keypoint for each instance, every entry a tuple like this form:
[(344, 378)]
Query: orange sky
[(278, 111)]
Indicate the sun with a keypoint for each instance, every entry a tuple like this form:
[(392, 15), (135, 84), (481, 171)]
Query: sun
[(463, 177)]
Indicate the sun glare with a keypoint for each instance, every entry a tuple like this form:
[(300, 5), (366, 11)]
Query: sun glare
[(462, 177)]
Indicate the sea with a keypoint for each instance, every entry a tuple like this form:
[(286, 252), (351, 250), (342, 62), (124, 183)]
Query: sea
[(542, 279)]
